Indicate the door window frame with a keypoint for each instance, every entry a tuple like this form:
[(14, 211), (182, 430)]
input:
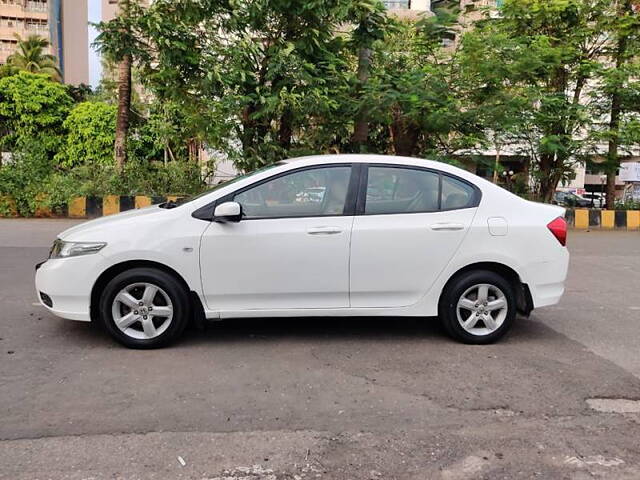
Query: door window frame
[(206, 212), (364, 180)]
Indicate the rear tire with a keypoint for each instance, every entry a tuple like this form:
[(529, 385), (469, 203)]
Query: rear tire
[(478, 307), (145, 308)]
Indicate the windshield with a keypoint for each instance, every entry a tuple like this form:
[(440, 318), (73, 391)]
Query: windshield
[(185, 200)]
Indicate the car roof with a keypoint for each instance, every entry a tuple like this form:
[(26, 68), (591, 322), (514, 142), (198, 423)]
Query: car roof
[(380, 159), (312, 160)]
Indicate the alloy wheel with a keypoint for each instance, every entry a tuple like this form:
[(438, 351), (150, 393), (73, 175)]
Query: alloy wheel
[(142, 311), (482, 309)]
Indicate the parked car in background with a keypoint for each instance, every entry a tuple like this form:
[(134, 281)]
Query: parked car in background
[(374, 236), (597, 199), (570, 199)]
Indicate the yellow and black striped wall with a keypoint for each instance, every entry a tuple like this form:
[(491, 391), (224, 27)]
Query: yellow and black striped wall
[(93, 207), (586, 219)]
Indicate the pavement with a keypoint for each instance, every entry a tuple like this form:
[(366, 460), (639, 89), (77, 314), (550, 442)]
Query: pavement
[(298, 399)]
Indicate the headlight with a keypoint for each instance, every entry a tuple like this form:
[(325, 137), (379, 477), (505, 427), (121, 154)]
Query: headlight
[(62, 249)]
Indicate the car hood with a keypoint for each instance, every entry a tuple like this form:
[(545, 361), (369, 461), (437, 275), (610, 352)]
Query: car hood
[(95, 230)]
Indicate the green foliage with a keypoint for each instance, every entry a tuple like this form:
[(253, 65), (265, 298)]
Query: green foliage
[(136, 178), (91, 127), (22, 179), (254, 96), (537, 60), (32, 105), (417, 92)]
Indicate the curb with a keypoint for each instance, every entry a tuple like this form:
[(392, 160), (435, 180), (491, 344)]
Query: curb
[(94, 207), (586, 218)]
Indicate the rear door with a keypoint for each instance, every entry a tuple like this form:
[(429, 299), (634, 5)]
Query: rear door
[(411, 222)]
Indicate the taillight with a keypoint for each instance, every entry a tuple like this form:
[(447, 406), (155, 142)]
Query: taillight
[(559, 229)]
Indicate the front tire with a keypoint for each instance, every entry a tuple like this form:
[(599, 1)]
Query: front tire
[(144, 308), (478, 307)]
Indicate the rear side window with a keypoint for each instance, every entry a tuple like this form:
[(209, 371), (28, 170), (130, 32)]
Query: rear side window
[(401, 190), (456, 194), (411, 190)]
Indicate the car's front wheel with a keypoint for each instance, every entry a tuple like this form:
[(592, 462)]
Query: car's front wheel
[(144, 308), (478, 307)]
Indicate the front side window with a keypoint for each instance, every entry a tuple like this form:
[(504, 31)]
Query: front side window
[(307, 193), (401, 190)]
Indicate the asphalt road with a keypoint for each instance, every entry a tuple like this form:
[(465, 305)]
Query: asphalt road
[(326, 398)]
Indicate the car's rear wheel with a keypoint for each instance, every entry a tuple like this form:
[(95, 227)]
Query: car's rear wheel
[(144, 308), (478, 307)]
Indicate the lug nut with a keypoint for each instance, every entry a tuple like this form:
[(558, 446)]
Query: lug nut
[(140, 303), (135, 312), (150, 308), (144, 317)]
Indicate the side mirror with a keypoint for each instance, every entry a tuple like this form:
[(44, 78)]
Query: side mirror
[(227, 212)]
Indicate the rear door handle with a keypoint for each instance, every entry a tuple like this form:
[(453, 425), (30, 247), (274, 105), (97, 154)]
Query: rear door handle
[(324, 230), (447, 227)]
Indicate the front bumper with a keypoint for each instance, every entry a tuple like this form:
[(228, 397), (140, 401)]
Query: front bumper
[(68, 283)]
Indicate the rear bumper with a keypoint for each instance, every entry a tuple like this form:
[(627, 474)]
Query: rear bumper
[(546, 279)]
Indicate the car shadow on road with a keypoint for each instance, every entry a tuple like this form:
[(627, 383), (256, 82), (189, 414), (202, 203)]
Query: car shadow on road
[(309, 329), (323, 329)]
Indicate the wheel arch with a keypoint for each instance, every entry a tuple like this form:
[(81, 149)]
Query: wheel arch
[(106, 276), (523, 295)]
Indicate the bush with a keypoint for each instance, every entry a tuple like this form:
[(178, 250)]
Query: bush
[(92, 129), (31, 182), (22, 179), (628, 205)]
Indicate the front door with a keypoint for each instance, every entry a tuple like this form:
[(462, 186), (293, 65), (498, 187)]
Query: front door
[(289, 251), (412, 223)]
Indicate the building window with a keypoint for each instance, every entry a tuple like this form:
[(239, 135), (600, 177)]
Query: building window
[(397, 4), (36, 6)]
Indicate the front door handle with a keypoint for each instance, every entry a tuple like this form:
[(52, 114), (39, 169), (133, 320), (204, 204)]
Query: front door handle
[(438, 227), (324, 230)]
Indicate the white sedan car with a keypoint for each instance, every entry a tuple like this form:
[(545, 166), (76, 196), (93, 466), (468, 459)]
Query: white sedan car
[(380, 235)]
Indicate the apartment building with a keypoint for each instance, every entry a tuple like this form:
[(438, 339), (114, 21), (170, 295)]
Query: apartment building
[(407, 8), (63, 22)]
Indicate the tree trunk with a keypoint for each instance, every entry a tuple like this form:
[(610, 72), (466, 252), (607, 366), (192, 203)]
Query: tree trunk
[(285, 131), (124, 101), (551, 164), (361, 126), (124, 106), (403, 134), (613, 160), (548, 182)]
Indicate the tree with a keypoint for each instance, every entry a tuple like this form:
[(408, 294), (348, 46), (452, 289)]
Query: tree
[(370, 19), (418, 98), (32, 107), (249, 78), (91, 133), (32, 111), (124, 97), (30, 57), (549, 50), (120, 50), (622, 88)]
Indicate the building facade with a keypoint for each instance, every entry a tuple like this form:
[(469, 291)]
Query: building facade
[(407, 6), (64, 23)]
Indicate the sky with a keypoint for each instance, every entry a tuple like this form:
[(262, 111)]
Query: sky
[(95, 69)]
